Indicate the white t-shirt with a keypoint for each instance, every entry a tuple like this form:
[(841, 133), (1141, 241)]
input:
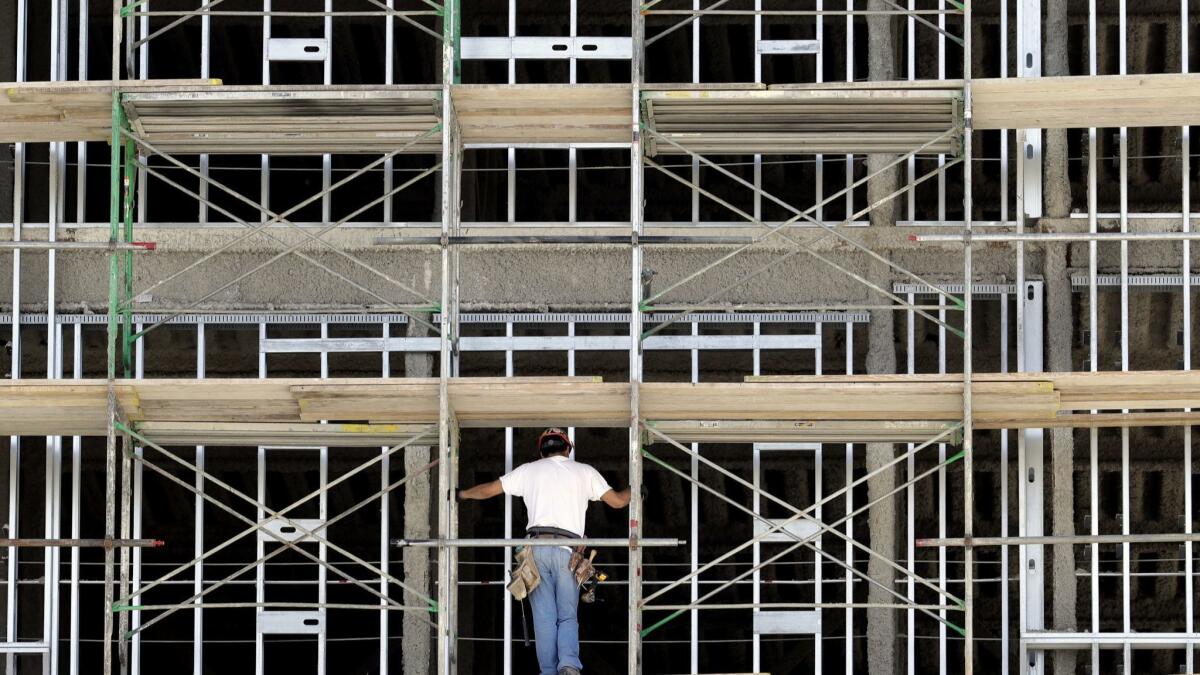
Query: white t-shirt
[(556, 490)]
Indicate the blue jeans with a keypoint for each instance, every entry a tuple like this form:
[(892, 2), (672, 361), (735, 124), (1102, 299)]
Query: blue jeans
[(555, 604)]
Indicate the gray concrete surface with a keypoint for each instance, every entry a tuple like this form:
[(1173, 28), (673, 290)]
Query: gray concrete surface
[(882, 646), (415, 627), (1059, 334), (514, 277), (596, 278)]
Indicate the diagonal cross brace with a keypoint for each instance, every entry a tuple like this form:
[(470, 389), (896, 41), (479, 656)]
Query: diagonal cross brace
[(695, 14), (337, 481), (403, 16), (772, 229), (801, 541), (678, 25), (807, 541), (806, 514), (206, 10), (920, 19), (282, 217), (793, 547), (801, 248), (835, 230), (128, 10), (189, 603), (292, 250), (287, 545), (303, 531), (273, 218)]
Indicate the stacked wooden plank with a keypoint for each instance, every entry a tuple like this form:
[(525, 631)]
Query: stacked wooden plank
[(805, 431), (544, 113), (997, 404), (1071, 102), (45, 408), (35, 112), (891, 407), (1145, 398), (811, 119), (836, 118), (287, 120), (249, 400), (476, 402), (1135, 390), (266, 433)]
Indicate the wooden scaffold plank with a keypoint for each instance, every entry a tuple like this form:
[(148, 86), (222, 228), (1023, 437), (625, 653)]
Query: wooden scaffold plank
[(892, 407)]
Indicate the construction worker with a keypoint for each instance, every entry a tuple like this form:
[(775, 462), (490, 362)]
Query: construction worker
[(556, 490)]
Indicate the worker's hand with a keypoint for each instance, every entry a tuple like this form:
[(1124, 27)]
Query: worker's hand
[(458, 495)]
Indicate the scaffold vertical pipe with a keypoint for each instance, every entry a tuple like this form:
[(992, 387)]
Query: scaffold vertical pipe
[(968, 423), (129, 181), (11, 612), (447, 555), (1022, 485), (635, 348), (110, 459), (124, 308), (1185, 143), (123, 642)]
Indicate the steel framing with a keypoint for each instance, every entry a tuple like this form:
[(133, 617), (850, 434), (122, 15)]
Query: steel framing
[(123, 582)]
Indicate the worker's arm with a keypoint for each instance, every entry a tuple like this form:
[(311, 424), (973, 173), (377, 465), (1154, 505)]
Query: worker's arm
[(615, 499), (482, 491)]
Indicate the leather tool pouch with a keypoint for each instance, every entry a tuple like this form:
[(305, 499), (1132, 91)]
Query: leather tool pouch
[(525, 575), (581, 566)]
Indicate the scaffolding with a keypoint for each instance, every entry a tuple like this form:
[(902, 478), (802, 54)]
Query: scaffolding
[(692, 122)]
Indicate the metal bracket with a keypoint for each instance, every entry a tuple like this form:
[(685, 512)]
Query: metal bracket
[(297, 49), (291, 622), (796, 530), (288, 532), (787, 623), (768, 47), (504, 48)]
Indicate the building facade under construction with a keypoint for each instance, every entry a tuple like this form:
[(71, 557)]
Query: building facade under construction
[(883, 309)]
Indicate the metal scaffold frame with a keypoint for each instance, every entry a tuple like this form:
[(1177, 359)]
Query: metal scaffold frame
[(130, 450), (765, 527), (130, 164), (127, 165)]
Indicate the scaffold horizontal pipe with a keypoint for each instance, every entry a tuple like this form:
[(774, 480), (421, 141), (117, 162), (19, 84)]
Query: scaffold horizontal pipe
[(272, 605), (494, 240), (22, 647), (281, 13), (503, 543), (77, 246), (1035, 237), (1166, 538), (794, 308), (82, 543), (801, 12), (1044, 640), (765, 606)]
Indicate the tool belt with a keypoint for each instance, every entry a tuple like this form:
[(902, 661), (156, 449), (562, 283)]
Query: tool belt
[(579, 564), (525, 576), (540, 532)]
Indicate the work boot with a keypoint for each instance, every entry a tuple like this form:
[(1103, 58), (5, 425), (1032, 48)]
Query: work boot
[(569, 670)]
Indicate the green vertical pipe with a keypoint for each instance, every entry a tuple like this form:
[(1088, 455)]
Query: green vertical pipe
[(127, 237), (114, 222), (452, 37), (457, 44)]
